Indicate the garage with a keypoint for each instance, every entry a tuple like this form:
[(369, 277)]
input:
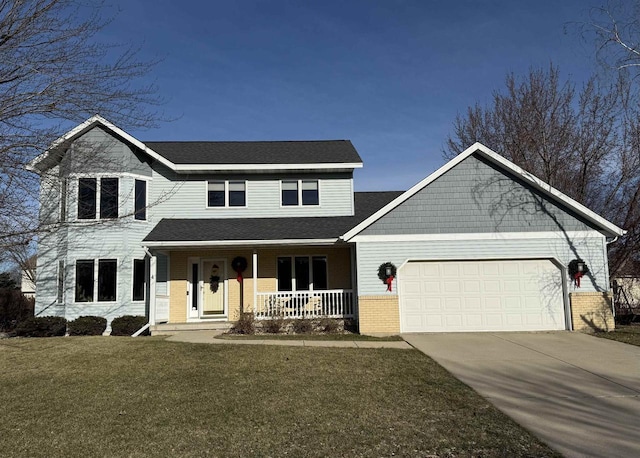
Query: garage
[(486, 295)]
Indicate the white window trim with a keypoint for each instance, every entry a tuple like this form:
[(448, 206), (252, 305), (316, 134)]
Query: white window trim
[(226, 194), (60, 294), (144, 289), (95, 281), (98, 178), (293, 271), (146, 200), (299, 184)]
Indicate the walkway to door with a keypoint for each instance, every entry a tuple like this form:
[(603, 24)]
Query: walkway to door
[(580, 394)]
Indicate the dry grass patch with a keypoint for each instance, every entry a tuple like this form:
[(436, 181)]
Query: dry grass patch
[(629, 334), (113, 396)]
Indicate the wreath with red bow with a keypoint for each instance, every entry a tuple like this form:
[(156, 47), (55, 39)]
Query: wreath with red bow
[(382, 274)]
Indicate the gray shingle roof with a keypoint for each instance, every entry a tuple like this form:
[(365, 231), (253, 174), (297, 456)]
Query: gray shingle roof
[(233, 229), (276, 152)]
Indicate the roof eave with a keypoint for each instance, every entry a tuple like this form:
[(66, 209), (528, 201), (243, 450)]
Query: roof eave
[(234, 243)]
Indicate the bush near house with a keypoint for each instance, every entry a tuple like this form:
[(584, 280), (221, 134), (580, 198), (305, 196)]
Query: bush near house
[(273, 326), (302, 326), (14, 307), (127, 325), (88, 326), (42, 326), (328, 325), (245, 325)]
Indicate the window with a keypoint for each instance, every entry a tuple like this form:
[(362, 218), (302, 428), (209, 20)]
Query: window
[(289, 193), (87, 201), (60, 295), (237, 195), (140, 200), (310, 192), (93, 195), (107, 280), (84, 280), (108, 198), (87, 283), (226, 194), (302, 273), (300, 192), (138, 279)]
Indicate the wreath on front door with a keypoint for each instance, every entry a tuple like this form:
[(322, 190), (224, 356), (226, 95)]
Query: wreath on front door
[(214, 279)]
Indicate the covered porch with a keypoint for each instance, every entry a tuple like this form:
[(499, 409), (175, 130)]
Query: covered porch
[(200, 284)]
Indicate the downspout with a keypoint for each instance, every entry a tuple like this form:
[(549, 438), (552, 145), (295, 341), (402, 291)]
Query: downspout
[(152, 293), (606, 256)]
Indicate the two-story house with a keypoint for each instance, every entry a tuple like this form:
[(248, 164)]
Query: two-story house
[(195, 232)]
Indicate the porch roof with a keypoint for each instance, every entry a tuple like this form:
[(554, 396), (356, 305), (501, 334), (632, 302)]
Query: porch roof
[(233, 231)]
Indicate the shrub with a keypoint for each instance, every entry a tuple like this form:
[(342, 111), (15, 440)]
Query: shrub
[(245, 325), (273, 326), (14, 307), (42, 326), (302, 326), (127, 325), (87, 326), (328, 325)]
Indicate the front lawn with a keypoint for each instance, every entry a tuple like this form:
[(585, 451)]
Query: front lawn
[(118, 396), (629, 334)]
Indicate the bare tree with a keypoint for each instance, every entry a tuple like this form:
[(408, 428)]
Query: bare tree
[(615, 32), (584, 142), (54, 70)]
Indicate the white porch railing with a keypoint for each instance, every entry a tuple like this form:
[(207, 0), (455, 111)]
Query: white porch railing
[(333, 303)]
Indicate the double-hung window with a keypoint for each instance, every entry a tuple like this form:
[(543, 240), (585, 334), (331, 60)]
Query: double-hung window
[(94, 194), (302, 273), (88, 284), (138, 279), (226, 193), (300, 192), (140, 200)]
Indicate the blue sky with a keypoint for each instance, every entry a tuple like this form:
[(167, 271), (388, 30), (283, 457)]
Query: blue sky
[(388, 75)]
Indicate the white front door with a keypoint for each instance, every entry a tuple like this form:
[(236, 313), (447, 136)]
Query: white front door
[(207, 288)]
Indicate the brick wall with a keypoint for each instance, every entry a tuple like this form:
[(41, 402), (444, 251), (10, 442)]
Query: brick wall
[(591, 311), (378, 314)]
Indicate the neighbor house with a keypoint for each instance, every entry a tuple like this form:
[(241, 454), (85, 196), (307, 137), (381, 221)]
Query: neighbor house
[(192, 233)]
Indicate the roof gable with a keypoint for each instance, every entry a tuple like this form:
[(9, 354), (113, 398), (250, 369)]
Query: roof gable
[(335, 155), (551, 203)]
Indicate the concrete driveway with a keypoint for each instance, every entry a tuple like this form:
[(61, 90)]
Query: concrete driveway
[(578, 393)]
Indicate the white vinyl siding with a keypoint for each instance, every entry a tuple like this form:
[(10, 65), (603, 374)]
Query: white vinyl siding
[(188, 199)]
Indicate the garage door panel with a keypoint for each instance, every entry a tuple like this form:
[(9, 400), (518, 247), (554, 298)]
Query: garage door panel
[(481, 295)]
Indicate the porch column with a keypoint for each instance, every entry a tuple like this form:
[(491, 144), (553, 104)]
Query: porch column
[(153, 270), (254, 263)]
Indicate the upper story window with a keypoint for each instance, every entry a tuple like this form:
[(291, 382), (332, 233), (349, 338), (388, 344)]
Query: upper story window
[(94, 194), (140, 200), (300, 192), (226, 193)]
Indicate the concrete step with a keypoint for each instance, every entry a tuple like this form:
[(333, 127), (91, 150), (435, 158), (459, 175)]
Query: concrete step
[(173, 328)]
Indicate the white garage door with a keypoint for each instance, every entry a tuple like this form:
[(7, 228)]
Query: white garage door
[(507, 295)]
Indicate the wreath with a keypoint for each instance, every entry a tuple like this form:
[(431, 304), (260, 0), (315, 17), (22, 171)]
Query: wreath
[(214, 283), (575, 273), (382, 274), (239, 265), (382, 271)]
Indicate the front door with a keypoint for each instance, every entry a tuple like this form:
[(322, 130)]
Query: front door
[(213, 287)]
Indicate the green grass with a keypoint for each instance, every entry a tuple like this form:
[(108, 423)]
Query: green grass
[(118, 396), (629, 334), (347, 336)]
